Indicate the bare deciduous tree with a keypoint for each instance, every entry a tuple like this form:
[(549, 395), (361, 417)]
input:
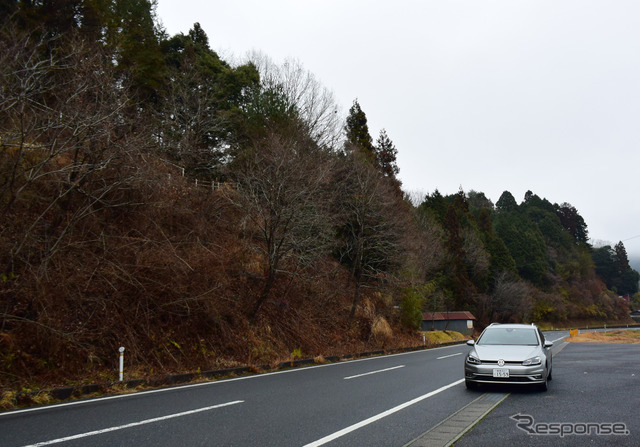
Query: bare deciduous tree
[(65, 142), (283, 183), (427, 252), (315, 104), (372, 223), (190, 125), (511, 300)]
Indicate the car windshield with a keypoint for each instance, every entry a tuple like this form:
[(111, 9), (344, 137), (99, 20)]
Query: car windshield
[(509, 336)]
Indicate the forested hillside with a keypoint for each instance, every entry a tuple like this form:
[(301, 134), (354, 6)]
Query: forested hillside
[(205, 215)]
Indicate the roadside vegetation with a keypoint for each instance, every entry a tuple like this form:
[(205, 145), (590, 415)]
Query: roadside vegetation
[(439, 337), (206, 215), (630, 336)]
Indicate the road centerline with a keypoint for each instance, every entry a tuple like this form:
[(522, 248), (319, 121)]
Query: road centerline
[(373, 372), (447, 356), (132, 424), (379, 416)]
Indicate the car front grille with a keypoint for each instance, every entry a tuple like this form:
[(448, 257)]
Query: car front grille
[(495, 362)]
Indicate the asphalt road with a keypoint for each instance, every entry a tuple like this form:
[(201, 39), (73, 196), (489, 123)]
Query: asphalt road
[(594, 386), (381, 401)]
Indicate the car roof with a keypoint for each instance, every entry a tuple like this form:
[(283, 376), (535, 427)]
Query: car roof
[(512, 326)]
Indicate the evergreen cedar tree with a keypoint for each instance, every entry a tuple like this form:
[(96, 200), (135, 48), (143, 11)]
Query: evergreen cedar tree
[(386, 153), (383, 155), (612, 265), (357, 131)]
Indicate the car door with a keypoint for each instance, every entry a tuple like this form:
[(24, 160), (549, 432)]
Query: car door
[(547, 351)]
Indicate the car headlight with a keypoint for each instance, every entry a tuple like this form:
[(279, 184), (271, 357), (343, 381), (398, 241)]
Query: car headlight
[(473, 359), (532, 361)]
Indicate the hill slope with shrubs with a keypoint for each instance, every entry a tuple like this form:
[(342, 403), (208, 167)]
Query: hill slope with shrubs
[(207, 215)]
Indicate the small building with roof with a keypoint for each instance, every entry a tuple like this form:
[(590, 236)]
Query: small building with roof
[(460, 321)]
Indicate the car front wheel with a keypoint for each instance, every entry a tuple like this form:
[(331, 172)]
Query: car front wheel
[(544, 386)]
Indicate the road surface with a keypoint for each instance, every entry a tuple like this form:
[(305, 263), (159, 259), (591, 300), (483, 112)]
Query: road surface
[(381, 401)]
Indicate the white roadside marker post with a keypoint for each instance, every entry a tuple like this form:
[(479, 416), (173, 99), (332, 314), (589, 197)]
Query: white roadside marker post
[(121, 363)]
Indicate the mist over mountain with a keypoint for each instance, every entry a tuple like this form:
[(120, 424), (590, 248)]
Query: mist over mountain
[(634, 262)]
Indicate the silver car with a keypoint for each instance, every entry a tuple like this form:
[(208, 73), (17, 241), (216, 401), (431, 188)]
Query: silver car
[(511, 354)]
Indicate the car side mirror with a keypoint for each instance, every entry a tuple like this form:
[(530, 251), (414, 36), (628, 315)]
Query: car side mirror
[(471, 342), (548, 344)]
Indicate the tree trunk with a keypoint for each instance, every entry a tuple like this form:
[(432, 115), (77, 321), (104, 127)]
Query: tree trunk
[(266, 290), (357, 274)]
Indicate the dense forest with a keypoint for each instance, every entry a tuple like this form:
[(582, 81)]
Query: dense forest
[(205, 214)]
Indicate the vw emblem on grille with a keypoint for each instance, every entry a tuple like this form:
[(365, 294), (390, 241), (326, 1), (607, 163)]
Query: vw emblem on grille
[(500, 362)]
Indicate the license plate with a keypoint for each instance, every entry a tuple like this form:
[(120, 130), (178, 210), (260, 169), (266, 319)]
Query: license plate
[(501, 373)]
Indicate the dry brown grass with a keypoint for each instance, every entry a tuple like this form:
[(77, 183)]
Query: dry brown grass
[(381, 330), (438, 337), (8, 400), (632, 337), (42, 398)]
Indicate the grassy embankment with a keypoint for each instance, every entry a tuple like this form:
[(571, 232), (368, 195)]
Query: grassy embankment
[(439, 337), (632, 337)]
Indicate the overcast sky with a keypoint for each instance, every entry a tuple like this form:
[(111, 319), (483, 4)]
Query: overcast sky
[(489, 96)]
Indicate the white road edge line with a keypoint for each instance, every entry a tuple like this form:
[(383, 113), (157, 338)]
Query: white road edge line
[(133, 424), (373, 372), (377, 417), (447, 356)]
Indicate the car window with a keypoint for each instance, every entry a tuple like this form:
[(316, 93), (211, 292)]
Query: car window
[(541, 336), (509, 336)]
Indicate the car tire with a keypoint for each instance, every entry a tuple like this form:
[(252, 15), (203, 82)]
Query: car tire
[(550, 377), (471, 385), (544, 386)]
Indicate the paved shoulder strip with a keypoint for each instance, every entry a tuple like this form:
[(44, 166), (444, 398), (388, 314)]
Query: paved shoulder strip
[(456, 425)]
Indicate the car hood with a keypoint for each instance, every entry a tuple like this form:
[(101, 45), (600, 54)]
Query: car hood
[(506, 352)]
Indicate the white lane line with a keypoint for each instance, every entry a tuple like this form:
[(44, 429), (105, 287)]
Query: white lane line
[(377, 417), (133, 424), (447, 356), (558, 339), (373, 372)]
